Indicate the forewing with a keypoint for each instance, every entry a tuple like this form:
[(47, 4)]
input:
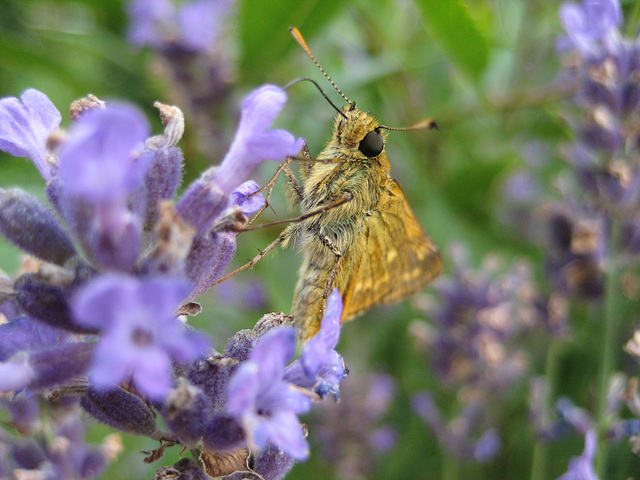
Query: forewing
[(399, 258)]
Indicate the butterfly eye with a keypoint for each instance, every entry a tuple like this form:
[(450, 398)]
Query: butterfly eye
[(372, 144)]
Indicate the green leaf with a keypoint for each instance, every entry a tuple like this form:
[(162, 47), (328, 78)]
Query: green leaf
[(264, 31), (457, 34)]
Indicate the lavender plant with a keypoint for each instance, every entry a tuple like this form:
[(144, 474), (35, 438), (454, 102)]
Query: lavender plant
[(99, 320), (473, 349), (190, 56), (591, 229)]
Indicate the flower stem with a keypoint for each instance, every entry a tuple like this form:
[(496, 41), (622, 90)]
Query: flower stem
[(540, 463), (451, 467), (610, 325)]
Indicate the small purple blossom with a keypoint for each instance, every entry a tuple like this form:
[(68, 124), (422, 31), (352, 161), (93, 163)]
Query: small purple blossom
[(254, 141), (320, 365), (98, 162), (246, 198), (266, 404), (100, 172), (581, 468), (140, 332), (589, 22), (25, 126)]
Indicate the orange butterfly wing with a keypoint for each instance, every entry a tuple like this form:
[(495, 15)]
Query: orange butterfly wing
[(398, 258)]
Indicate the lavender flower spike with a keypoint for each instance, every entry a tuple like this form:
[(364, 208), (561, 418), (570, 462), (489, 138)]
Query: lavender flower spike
[(265, 403), (254, 142), (140, 332), (25, 126)]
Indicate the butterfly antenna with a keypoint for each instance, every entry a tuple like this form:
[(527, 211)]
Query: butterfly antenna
[(427, 123), (305, 79), (295, 33)]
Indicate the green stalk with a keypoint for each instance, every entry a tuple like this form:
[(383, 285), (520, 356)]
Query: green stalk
[(540, 463), (610, 347), (451, 467)]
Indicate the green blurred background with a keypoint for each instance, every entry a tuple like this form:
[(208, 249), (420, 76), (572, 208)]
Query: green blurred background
[(485, 70)]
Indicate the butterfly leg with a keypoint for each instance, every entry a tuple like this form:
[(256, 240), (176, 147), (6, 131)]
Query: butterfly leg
[(270, 185), (294, 190), (255, 259)]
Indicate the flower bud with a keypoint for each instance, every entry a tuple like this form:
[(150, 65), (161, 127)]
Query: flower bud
[(32, 226), (119, 409), (47, 303)]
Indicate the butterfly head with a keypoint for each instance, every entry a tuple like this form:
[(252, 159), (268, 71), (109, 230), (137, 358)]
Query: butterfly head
[(359, 132)]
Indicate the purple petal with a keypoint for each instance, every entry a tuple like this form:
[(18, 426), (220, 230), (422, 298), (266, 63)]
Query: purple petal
[(98, 160), (274, 144), (152, 373), (26, 125), (111, 363), (285, 431), (272, 352), (581, 468), (316, 351), (14, 375), (243, 389), (162, 295), (248, 204), (96, 304), (260, 108), (589, 22), (253, 142)]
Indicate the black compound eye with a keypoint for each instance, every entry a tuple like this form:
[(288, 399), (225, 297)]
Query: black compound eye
[(372, 144)]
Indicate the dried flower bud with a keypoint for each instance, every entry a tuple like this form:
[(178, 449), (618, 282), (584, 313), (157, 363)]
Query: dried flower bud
[(173, 121), (83, 105)]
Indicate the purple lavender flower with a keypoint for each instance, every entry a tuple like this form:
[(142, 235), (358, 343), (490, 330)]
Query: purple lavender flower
[(99, 170), (212, 250), (26, 124), (150, 21), (581, 468), (140, 333), (353, 434), (457, 435), (254, 142), (320, 366), (588, 23), (265, 403), (205, 199), (98, 161), (57, 448), (199, 22), (194, 27)]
